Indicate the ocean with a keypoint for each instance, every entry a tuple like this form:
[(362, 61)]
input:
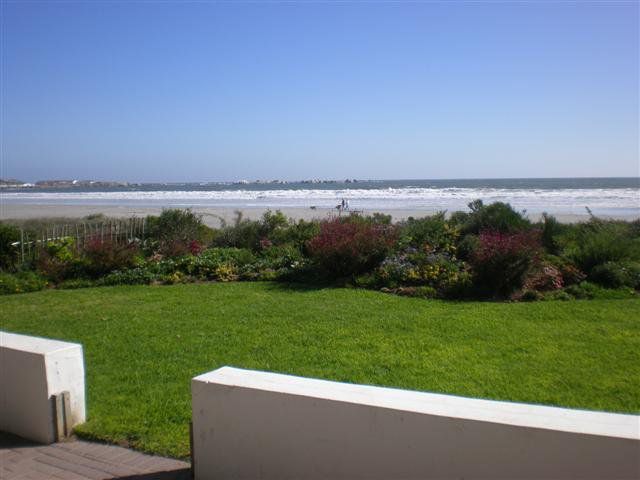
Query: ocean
[(604, 196)]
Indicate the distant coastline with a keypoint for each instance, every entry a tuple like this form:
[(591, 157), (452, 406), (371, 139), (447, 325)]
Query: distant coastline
[(551, 182)]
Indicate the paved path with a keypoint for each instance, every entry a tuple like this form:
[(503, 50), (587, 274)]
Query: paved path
[(80, 460)]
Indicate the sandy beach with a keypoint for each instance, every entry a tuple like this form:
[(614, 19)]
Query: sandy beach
[(216, 216)]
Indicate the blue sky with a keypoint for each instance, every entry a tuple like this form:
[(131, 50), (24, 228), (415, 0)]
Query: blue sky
[(205, 91)]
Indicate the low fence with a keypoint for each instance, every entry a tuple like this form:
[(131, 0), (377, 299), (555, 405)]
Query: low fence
[(114, 230), (249, 424)]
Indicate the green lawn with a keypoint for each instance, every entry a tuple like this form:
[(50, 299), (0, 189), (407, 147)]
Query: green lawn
[(143, 344)]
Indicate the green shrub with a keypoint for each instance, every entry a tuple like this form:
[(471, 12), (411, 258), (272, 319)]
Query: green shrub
[(551, 229), (242, 234), (617, 274), (76, 283), (133, 276), (429, 234), (467, 245), (557, 295), (529, 296), (272, 222), (417, 292), (225, 272), (177, 232), (59, 260), (216, 263), (272, 229), (497, 217), (597, 242), (633, 270), (8, 252), (583, 290), (21, 282), (283, 256), (296, 234), (174, 278), (366, 280), (439, 271)]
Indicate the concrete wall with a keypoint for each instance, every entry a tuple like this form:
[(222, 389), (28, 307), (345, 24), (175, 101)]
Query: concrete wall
[(31, 371), (249, 424)]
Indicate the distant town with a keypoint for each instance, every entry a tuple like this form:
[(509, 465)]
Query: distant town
[(13, 183), (10, 183)]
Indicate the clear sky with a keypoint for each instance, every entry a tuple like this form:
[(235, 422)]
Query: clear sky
[(206, 91)]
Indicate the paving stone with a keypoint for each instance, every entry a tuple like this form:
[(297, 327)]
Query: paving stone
[(80, 460)]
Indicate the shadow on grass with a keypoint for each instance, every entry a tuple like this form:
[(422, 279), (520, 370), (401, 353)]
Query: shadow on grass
[(300, 286)]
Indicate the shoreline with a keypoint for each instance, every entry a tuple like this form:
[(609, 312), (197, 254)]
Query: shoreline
[(215, 216)]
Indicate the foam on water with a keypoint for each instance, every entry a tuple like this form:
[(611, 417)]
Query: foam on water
[(562, 200)]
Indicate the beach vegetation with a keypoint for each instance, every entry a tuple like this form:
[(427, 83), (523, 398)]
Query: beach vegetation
[(543, 276), (502, 261), (9, 234), (497, 217), (177, 232), (59, 260), (430, 234), (104, 256), (243, 233), (617, 274), (439, 270), (351, 245), (550, 231), (274, 228), (598, 241), (490, 252), (21, 282)]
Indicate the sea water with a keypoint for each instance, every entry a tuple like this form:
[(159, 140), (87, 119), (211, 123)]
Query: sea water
[(603, 196)]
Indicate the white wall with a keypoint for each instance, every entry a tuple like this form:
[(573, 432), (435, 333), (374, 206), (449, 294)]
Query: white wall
[(250, 424), (33, 369)]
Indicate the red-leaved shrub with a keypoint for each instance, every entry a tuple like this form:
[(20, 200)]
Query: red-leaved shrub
[(105, 256), (265, 243), (544, 277), (501, 261), (571, 274), (350, 246), (195, 247)]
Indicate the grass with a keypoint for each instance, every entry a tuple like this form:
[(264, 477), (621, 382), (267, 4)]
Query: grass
[(143, 344)]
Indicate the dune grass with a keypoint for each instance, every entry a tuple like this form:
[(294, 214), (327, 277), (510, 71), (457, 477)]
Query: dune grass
[(143, 344)]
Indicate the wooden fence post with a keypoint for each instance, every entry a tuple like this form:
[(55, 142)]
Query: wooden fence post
[(22, 244), (62, 407)]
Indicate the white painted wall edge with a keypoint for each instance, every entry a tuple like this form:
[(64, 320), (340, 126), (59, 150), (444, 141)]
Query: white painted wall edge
[(32, 370), (500, 412), (28, 343)]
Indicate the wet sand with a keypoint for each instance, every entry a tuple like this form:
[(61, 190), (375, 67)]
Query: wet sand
[(215, 216)]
